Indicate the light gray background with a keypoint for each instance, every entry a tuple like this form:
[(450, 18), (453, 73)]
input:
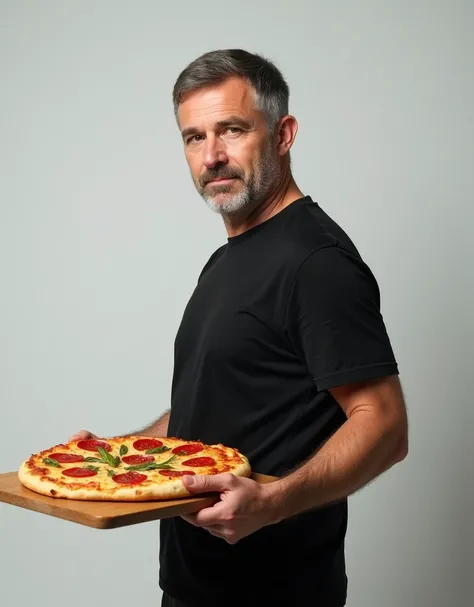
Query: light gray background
[(102, 237)]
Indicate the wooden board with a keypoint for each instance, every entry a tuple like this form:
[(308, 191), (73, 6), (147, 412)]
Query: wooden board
[(102, 515)]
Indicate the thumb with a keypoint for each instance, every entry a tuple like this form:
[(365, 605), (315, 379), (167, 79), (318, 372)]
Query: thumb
[(202, 483)]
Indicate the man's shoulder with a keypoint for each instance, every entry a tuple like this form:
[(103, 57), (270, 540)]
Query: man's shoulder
[(313, 228), (333, 264), (309, 235), (316, 249), (212, 259)]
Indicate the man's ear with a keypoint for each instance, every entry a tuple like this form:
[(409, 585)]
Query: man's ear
[(286, 131)]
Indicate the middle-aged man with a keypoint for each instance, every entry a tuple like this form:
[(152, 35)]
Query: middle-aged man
[(282, 352)]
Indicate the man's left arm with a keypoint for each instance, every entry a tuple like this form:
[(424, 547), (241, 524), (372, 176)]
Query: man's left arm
[(372, 440), (335, 326)]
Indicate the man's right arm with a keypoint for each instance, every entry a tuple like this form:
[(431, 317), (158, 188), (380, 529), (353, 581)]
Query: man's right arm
[(158, 428)]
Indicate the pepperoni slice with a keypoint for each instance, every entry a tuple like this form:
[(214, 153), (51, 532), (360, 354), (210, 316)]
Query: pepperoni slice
[(174, 473), (137, 459), (92, 445), (67, 458), (200, 461), (187, 449), (143, 444), (129, 478), (79, 472)]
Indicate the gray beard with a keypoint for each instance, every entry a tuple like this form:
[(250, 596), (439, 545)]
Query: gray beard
[(233, 205), (252, 194)]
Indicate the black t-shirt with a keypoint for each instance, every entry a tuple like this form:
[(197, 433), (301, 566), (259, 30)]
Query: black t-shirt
[(280, 314)]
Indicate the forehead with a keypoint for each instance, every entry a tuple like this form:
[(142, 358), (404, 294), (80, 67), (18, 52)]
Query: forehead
[(212, 104)]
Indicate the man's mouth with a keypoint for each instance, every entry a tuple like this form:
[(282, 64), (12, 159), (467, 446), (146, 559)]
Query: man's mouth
[(220, 180)]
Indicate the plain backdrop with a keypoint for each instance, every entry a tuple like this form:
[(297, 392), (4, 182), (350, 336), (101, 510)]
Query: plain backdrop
[(102, 237)]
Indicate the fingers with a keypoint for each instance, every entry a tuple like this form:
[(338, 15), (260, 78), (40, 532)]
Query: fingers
[(216, 529), (209, 483), (190, 518), (214, 516), (82, 435)]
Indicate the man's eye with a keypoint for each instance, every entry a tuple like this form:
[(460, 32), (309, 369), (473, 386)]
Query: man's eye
[(232, 130), (194, 139)]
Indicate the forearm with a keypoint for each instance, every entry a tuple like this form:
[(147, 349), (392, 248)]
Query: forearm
[(355, 455), (158, 428)]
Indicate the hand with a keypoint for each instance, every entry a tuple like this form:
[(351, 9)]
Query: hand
[(82, 435), (244, 507)]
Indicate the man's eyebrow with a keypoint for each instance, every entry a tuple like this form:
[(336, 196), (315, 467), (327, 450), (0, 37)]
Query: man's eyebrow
[(190, 130), (235, 121), (231, 121)]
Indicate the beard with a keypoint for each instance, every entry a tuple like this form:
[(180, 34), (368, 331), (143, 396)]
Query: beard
[(225, 200)]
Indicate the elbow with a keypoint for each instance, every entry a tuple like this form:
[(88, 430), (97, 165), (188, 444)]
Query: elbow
[(401, 451)]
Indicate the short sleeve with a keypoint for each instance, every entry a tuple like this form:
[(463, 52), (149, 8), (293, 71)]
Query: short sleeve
[(334, 322)]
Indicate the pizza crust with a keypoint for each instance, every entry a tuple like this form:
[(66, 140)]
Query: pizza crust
[(37, 476), (172, 489)]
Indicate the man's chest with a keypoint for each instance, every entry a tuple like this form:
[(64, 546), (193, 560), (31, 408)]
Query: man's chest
[(234, 317)]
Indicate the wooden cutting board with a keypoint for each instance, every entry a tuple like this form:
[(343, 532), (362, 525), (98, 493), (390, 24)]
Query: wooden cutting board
[(103, 515)]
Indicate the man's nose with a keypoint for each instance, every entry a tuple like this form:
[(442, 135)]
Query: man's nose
[(214, 153)]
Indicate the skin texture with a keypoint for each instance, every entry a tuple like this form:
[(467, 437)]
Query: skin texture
[(224, 135)]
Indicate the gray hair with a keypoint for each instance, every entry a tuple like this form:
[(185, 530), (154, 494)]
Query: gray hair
[(271, 90)]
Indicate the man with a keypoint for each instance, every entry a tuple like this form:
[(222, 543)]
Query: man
[(282, 353)]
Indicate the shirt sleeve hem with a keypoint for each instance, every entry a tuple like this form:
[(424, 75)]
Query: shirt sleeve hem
[(357, 374)]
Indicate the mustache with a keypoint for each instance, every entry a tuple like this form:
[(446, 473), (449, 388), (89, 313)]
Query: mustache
[(219, 173)]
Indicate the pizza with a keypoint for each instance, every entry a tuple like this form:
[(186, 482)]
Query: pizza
[(131, 468)]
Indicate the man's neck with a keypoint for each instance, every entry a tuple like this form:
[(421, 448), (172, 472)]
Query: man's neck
[(276, 202)]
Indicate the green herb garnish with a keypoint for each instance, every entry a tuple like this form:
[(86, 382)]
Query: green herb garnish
[(161, 449), (93, 459), (153, 465), (108, 458), (95, 468), (123, 449), (51, 462)]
